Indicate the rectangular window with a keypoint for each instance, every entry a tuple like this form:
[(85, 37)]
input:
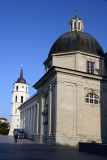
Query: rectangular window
[(90, 67)]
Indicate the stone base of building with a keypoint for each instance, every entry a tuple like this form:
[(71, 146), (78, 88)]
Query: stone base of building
[(30, 136), (74, 140), (64, 140)]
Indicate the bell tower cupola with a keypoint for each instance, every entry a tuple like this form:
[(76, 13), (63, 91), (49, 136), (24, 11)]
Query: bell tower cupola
[(76, 24)]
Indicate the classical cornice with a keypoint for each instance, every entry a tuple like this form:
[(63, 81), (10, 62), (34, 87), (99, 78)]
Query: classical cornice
[(66, 71)]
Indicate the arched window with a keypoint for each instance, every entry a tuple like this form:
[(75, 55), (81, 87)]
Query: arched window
[(21, 99), (16, 88), (92, 98), (16, 99)]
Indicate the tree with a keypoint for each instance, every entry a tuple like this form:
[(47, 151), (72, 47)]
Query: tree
[(4, 125), (4, 128)]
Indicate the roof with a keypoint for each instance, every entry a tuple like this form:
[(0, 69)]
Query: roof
[(76, 41), (21, 79)]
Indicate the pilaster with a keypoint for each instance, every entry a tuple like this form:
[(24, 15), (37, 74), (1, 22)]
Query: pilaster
[(49, 110)]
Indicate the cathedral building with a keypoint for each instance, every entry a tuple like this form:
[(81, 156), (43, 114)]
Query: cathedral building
[(70, 104), (19, 95)]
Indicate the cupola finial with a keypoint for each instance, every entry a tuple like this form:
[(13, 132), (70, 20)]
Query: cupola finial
[(76, 24), (76, 13)]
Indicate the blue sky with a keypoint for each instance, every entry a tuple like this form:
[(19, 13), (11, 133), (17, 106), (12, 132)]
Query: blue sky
[(28, 28)]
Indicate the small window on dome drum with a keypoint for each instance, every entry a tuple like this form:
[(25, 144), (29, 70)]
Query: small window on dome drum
[(90, 67)]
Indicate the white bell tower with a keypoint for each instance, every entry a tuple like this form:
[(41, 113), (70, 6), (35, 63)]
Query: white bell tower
[(19, 95)]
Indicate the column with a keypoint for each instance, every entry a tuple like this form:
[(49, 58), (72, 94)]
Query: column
[(37, 118), (25, 120), (75, 111), (29, 121), (41, 111), (34, 119), (49, 110), (20, 119)]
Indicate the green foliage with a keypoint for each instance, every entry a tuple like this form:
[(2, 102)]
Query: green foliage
[(4, 131), (4, 125), (4, 128)]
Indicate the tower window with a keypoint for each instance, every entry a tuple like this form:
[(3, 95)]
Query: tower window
[(16, 99), (16, 88), (21, 99), (26, 89), (90, 67)]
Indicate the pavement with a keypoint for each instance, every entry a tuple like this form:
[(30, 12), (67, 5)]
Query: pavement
[(29, 150)]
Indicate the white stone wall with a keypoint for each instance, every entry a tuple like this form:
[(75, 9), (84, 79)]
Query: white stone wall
[(75, 117), (78, 61)]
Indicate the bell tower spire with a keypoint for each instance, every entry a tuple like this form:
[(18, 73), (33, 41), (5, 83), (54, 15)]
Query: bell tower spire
[(21, 73), (76, 24)]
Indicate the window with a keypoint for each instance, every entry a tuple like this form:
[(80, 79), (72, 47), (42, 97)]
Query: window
[(16, 88), (21, 99), (26, 89), (90, 67), (74, 25), (92, 98), (78, 25), (16, 99)]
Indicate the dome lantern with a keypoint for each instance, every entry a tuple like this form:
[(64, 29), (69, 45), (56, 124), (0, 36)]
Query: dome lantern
[(76, 24)]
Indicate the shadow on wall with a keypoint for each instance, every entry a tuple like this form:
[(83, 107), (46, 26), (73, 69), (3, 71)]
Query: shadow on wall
[(103, 108)]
